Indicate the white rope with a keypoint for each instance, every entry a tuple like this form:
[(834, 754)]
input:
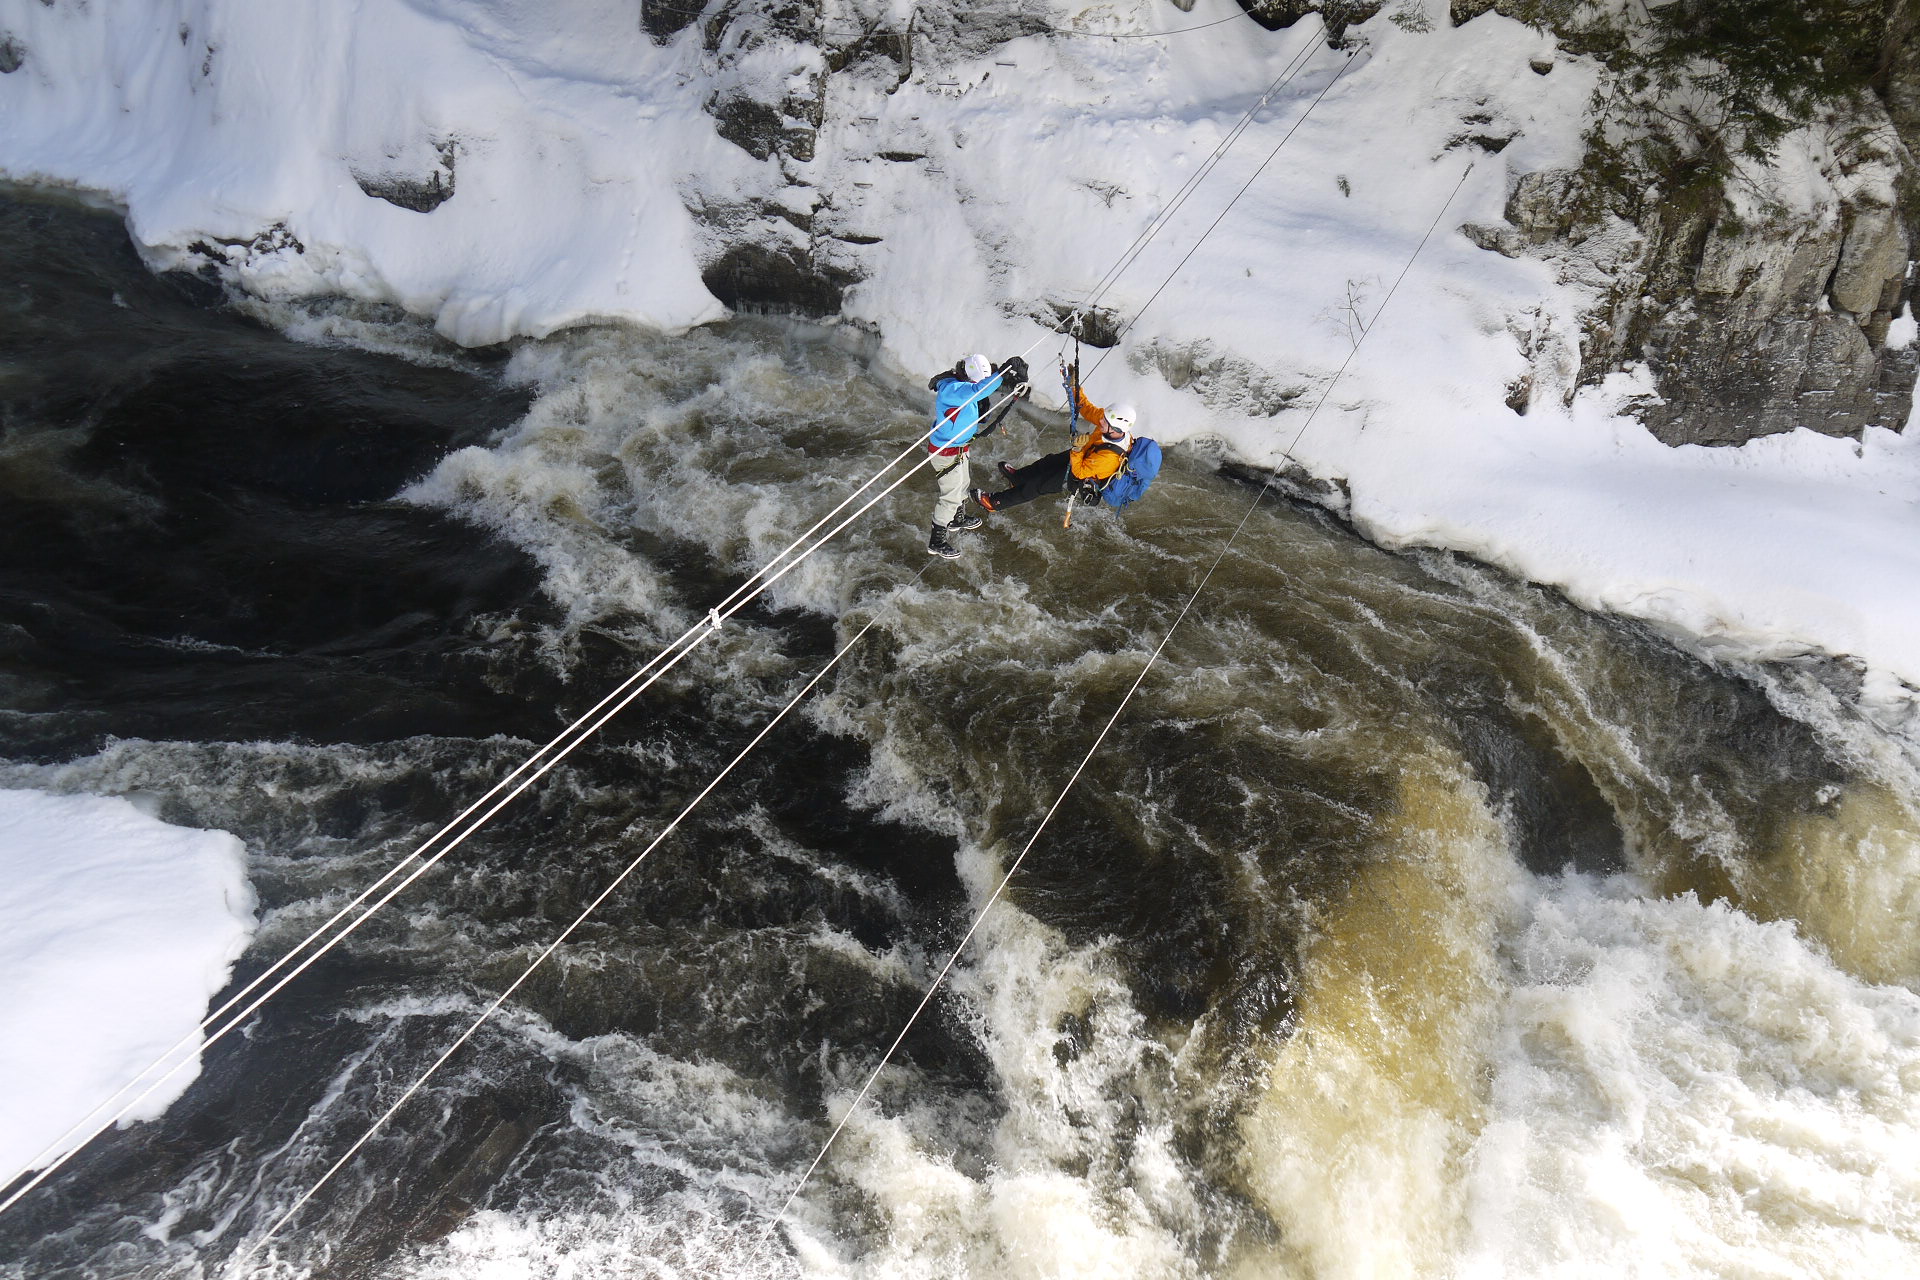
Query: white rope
[(1000, 888), (501, 999), (1192, 184), (51, 1158), (57, 1153), (1255, 177)]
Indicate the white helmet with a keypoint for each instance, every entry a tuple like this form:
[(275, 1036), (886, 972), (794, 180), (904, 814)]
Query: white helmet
[(978, 368), (1123, 416)]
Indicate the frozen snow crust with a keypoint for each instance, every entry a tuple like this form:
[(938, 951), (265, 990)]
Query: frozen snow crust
[(115, 930), (987, 188)]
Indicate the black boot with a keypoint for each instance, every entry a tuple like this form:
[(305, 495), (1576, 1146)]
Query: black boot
[(964, 521), (937, 545)]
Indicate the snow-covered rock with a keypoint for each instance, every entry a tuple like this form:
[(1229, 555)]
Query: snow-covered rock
[(115, 929)]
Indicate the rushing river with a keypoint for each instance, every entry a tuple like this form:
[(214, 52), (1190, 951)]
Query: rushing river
[(1410, 922)]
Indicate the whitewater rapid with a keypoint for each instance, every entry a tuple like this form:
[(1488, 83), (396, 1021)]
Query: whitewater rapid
[(1413, 921)]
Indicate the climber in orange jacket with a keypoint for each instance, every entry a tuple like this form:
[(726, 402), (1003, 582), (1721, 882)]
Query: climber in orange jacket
[(1097, 454)]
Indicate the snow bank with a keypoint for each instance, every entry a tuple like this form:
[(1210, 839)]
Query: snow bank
[(257, 129), (115, 929), (975, 197)]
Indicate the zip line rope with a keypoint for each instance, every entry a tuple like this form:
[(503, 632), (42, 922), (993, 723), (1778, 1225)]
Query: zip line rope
[(1000, 888), (1206, 167), (579, 732), (1128, 327), (501, 999), (57, 1153)]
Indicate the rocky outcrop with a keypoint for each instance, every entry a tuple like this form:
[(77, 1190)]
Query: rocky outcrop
[(1338, 15), (1786, 328), (771, 254), (1759, 302), (421, 191), (787, 280), (1753, 318)]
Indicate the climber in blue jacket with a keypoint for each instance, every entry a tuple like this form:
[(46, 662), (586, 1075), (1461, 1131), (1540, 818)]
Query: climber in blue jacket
[(962, 398)]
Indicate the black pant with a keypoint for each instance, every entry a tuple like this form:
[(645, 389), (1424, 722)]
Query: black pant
[(1037, 479)]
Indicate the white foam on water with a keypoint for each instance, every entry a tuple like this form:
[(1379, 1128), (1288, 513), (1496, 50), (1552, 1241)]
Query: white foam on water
[(1678, 1089), (711, 442), (1051, 1193), (1354, 1142), (115, 930)]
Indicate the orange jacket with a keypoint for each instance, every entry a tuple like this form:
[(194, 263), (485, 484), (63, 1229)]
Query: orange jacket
[(1092, 458)]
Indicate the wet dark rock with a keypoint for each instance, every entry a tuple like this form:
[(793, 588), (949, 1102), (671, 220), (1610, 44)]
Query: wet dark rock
[(1333, 496), (1094, 326), (272, 240), (13, 55), (756, 277), (1222, 380), (664, 19), (421, 193), (1276, 15)]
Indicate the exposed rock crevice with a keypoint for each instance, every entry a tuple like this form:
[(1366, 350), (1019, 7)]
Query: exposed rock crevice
[(415, 190), (1760, 299), (1752, 317)]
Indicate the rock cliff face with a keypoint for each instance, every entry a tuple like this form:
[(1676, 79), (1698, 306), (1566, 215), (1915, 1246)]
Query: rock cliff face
[(1759, 304), (769, 61)]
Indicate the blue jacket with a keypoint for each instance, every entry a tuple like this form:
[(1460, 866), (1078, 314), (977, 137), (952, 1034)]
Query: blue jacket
[(957, 410)]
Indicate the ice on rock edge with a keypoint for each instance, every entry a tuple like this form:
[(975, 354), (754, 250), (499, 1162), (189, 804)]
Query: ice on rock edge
[(115, 930)]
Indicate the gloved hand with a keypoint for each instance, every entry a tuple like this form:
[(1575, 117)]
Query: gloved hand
[(1015, 369)]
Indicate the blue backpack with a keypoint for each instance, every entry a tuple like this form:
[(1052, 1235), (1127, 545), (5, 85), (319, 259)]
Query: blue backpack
[(1128, 483)]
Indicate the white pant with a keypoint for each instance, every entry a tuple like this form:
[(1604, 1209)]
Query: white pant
[(952, 478)]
